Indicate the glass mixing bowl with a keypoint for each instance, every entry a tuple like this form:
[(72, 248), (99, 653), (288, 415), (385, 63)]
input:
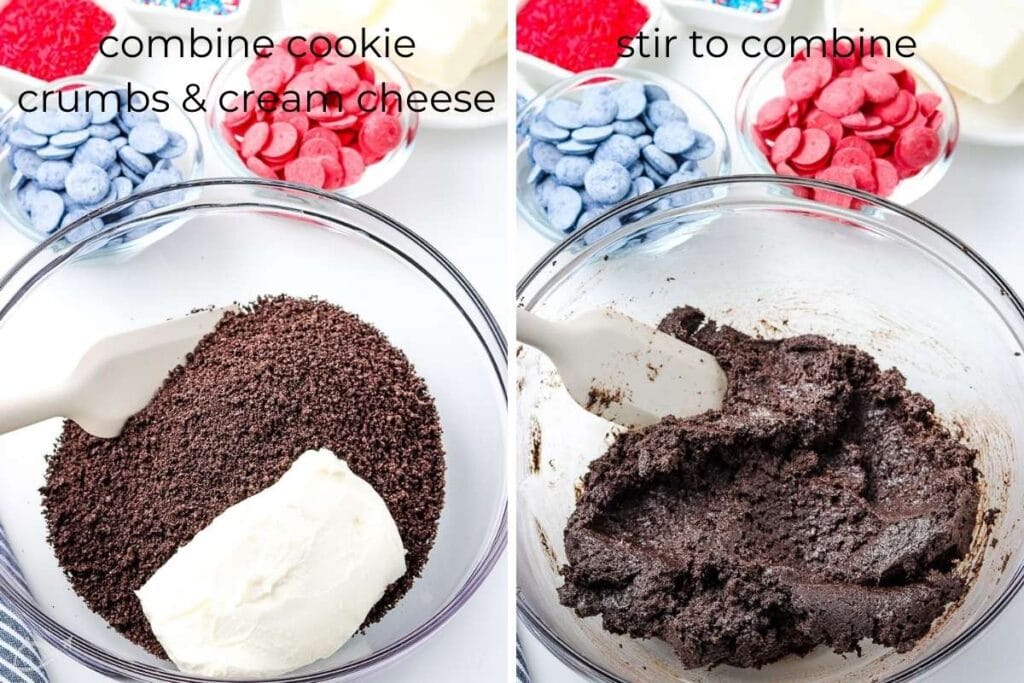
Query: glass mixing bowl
[(232, 76), (751, 253), (238, 240), (701, 116), (174, 119)]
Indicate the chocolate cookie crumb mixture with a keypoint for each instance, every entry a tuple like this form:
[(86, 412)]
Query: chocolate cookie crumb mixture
[(823, 504), (281, 378)]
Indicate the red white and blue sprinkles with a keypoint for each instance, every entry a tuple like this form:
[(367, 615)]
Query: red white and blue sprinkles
[(217, 7)]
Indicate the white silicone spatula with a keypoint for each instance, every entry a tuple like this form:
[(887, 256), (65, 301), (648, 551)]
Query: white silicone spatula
[(623, 370), (115, 379)]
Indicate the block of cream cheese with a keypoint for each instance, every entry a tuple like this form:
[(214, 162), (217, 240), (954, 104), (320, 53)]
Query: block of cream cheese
[(977, 47), (498, 48), (280, 580), (452, 36)]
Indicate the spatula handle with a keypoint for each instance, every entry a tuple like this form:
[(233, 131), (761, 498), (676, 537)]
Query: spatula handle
[(539, 333), (22, 412)]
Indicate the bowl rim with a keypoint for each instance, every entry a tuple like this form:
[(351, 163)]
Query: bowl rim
[(8, 203), (576, 80), (398, 157), (490, 336), (555, 644), (743, 115)]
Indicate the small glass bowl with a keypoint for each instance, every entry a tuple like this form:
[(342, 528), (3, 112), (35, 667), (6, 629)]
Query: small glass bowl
[(700, 113), (174, 119), (232, 78), (765, 82), (753, 253), (240, 239)]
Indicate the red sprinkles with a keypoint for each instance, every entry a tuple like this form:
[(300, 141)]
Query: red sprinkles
[(51, 39), (577, 34), (855, 120)]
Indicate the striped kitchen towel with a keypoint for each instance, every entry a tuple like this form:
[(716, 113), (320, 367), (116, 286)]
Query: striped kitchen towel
[(19, 658), (522, 673)]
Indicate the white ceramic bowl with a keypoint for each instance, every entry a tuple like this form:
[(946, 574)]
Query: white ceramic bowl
[(13, 83), (541, 74)]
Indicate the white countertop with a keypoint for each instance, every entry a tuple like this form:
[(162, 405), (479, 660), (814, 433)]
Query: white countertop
[(980, 200), (453, 192)]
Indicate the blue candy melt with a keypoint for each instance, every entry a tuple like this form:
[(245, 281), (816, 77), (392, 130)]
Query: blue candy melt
[(123, 186), (175, 147), (621, 149), (135, 160), (598, 106), (589, 216), (70, 139), (104, 111), (643, 185), (106, 131), (663, 163), (73, 121), (576, 147), (545, 156), (547, 131), (655, 92), (148, 138), (52, 152), (675, 137), (130, 119), (632, 128), (26, 139), (607, 181), (42, 123), (26, 193), (564, 205), (51, 174), (27, 162), (45, 210), (661, 112), (702, 148), (96, 151), (563, 113), (542, 191), (571, 170), (87, 183), (631, 100), (592, 134)]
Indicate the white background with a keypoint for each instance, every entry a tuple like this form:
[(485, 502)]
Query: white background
[(453, 192), (981, 199)]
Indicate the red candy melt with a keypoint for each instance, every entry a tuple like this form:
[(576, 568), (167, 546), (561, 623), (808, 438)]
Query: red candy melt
[(855, 120), (327, 145)]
